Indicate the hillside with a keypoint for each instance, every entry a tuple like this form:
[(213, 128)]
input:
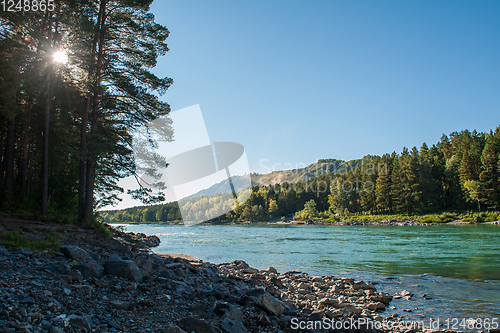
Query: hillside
[(309, 172), (294, 176)]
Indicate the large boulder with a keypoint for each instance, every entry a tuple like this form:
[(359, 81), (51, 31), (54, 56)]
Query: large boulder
[(152, 241), (376, 306), (90, 269), (270, 304), (362, 285), (74, 252), (123, 268), (240, 264)]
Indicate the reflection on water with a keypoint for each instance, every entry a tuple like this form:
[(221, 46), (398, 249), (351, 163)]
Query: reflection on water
[(457, 268)]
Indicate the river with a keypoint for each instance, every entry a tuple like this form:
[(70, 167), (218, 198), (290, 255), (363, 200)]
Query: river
[(457, 268)]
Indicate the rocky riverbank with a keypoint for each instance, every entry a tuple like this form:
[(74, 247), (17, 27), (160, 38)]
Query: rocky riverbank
[(398, 223), (94, 283)]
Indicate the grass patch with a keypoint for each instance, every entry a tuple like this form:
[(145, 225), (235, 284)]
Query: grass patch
[(101, 227), (15, 240)]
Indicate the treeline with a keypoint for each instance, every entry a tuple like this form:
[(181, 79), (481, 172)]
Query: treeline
[(264, 203), (66, 126), (156, 213), (459, 173)]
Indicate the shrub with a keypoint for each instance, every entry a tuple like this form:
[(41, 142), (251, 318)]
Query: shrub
[(430, 219)]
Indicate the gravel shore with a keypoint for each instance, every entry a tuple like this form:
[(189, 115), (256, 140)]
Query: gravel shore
[(95, 283)]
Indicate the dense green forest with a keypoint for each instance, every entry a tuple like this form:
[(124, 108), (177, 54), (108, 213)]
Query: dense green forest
[(460, 173), (75, 84)]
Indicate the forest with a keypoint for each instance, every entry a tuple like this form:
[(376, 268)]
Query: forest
[(76, 81), (460, 173)]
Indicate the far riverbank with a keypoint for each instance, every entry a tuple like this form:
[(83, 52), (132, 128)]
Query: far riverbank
[(398, 223)]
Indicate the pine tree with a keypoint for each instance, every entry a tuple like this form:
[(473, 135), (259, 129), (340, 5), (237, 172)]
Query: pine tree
[(368, 200), (344, 195), (426, 186), (445, 147), (438, 162), (412, 185), (397, 185), (472, 189), (406, 192), (489, 183), (127, 43), (467, 174), (384, 184), (453, 195)]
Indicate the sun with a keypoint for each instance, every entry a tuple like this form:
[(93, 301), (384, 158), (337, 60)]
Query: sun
[(60, 57)]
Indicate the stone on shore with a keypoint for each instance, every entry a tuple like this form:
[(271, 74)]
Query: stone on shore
[(81, 322), (174, 329), (75, 253), (191, 324), (270, 304), (90, 269), (233, 326), (123, 268), (376, 306), (362, 285)]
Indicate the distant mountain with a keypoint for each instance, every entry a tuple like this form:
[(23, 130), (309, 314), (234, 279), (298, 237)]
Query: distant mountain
[(221, 187), (293, 176), (300, 175)]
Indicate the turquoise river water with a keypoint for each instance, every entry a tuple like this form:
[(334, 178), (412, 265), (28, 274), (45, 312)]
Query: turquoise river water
[(457, 267)]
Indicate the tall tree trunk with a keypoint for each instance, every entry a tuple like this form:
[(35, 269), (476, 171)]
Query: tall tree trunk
[(92, 154), (91, 162), (2, 159), (9, 149), (45, 162), (30, 167), (83, 148), (89, 193), (9, 156), (23, 160)]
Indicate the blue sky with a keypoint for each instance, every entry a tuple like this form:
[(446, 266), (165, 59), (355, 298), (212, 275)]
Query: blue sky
[(294, 81)]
